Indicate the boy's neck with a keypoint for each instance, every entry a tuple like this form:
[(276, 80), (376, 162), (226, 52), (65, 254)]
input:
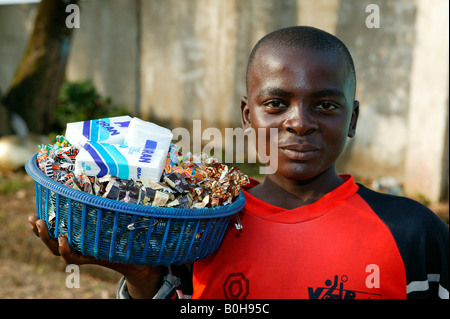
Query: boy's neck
[(289, 194)]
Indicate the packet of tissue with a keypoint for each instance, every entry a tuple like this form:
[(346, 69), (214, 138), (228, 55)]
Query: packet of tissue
[(140, 131), (107, 130), (123, 161), (121, 146)]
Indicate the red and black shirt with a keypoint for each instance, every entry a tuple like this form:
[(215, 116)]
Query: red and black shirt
[(352, 243)]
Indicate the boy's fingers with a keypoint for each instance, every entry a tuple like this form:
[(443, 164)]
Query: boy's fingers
[(61, 246), (45, 237), (32, 220), (70, 256), (58, 247), (65, 251)]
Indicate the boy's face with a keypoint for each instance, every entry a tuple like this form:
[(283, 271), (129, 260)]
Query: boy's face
[(309, 98)]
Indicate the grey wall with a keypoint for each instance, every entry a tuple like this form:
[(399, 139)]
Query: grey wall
[(175, 61)]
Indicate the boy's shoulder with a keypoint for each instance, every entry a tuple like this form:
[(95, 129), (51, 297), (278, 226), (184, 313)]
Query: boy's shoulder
[(422, 239), (401, 214)]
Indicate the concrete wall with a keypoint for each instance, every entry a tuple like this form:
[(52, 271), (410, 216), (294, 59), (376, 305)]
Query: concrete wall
[(426, 162), (194, 57), (175, 61), (104, 49), (383, 58)]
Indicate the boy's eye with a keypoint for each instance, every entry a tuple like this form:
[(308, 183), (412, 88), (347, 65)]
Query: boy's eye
[(275, 104), (326, 106)]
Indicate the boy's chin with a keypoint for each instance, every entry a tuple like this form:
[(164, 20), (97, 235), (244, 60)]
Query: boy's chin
[(301, 172), (296, 173)]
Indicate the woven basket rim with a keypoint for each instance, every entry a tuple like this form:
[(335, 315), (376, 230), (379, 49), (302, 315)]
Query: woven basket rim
[(109, 204)]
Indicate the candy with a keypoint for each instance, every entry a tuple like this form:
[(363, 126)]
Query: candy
[(211, 183), (57, 160), (177, 182), (160, 199), (112, 190), (184, 201), (188, 180)]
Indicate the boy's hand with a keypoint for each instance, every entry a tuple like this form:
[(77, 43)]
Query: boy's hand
[(142, 281), (58, 247)]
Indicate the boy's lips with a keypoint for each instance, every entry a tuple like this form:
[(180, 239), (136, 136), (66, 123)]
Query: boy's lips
[(299, 152)]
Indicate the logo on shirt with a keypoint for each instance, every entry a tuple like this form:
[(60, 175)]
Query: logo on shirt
[(236, 286), (334, 289)]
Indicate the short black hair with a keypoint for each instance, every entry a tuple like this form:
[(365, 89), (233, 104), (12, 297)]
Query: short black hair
[(304, 37)]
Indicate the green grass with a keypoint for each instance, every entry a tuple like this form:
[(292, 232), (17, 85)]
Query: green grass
[(13, 182)]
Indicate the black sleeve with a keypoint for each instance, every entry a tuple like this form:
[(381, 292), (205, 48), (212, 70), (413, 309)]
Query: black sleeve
[(422, 239), (184, 272)]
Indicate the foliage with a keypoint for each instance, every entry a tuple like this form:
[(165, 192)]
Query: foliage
[(423, 199), (80, 101), (13, 182)]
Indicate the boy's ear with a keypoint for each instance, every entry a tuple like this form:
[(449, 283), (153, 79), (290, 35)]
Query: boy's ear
[(354, 119), (245, 113)]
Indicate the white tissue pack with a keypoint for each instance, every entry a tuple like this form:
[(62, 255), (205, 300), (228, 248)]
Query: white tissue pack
[(141, 152), (107, 130), (139, 132), (125, 162)]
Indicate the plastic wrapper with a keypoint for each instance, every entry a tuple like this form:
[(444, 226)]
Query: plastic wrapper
[(188, 180), (57, 160), (126, 162), (107, 130)]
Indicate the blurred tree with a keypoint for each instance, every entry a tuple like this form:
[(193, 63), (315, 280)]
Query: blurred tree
[(33, 92), (80, 101)]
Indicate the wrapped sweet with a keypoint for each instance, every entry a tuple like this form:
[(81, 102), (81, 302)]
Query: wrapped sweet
[(57, 160), (188, 180)]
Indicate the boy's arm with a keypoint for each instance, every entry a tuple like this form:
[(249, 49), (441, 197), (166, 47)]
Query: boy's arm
[(177, 282), (422, 239), (434, 265), (166, 291)]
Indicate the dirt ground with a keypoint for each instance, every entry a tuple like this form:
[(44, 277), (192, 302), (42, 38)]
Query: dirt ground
[(29, 270)]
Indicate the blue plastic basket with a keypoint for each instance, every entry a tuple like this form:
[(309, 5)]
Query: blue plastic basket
[(125, 232)]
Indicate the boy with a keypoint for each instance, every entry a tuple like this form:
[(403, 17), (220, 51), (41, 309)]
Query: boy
[(307, 231)]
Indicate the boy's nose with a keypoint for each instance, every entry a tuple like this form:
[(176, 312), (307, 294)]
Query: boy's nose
[(299, 121)]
